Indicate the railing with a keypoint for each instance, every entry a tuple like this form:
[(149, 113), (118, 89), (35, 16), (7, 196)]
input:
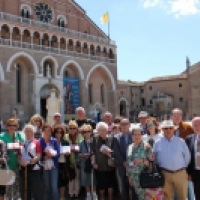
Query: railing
[(60, 51), (47, 26)]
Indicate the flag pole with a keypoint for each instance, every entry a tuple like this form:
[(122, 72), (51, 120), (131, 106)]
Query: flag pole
[(108, 26)]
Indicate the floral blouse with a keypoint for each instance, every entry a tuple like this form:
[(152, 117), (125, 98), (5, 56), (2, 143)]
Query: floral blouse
[(143, 151)]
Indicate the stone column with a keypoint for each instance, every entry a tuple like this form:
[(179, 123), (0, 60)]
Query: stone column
[(21, 39), (59, 47), (37, 104), (31, 41), (11, 38)]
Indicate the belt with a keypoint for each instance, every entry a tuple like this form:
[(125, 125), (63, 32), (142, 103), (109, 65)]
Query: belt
[(171, 171)]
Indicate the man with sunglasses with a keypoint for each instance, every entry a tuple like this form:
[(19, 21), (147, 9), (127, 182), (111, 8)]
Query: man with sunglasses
[(172, 156), (58, 120)]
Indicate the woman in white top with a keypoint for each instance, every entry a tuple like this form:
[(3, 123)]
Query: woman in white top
[(153, 131)]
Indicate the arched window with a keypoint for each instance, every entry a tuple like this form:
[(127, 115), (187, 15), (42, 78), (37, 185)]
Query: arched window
[(25, 13), (102, 93), (61, 23), (18, 83), (90, 88)]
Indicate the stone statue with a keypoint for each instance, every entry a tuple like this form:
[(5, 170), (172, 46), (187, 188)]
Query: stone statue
[(48, 74), (52, 106)]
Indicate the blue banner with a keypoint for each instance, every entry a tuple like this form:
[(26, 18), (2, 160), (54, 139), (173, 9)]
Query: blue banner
[(71, 95)]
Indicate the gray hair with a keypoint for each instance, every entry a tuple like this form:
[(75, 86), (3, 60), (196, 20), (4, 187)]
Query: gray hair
[(177, 109), (107, 113), (29, 126), (80, 108), (137, 129), (103, 125)]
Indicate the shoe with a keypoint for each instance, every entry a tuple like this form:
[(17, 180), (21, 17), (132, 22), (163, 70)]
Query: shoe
[(94, 196)]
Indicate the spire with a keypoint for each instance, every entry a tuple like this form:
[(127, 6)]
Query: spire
[(187, 65), (187, 62)]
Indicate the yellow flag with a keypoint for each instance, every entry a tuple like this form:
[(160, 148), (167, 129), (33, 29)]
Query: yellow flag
[(104, 19)]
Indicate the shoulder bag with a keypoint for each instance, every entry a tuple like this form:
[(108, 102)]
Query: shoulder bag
[(151, 177)]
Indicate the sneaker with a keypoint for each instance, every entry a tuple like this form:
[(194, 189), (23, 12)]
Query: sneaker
[(94, 196)]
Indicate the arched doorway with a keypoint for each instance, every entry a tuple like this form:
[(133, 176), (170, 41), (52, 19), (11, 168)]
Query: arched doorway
[(44, 94), (122, 108)]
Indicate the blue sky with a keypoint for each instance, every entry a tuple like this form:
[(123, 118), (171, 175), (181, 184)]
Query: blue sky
[(153, 36)]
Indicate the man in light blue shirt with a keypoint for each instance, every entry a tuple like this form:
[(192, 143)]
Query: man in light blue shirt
[(172, 156)]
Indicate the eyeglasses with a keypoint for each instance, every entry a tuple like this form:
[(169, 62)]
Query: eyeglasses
[(56, 116), (117, 121), (169, 128), (72, 128), (12, 125), (86, 132), (149, 125), (59, 132), (37, 121)]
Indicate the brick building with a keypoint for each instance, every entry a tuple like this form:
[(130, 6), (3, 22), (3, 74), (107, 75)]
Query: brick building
[(43, 42), (160, 95)]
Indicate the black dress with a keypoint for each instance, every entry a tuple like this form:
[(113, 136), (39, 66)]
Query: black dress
[(63, 178)]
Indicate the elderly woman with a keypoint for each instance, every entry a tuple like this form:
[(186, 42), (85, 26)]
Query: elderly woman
[(63, 161), (138, 155), (74, 138), (85, 153), (37, 121), (29, 155), (50, 155), (11, 136), (153, 131), (103, 149)]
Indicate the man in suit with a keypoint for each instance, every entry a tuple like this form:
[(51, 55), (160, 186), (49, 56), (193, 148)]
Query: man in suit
[(121, 142), (183, 130), (193, 169)]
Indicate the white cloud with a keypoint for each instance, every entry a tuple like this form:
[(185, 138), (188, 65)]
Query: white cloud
[(177, 7), (150, 3)]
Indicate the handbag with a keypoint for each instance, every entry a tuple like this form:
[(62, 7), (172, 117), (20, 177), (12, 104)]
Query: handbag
[(7, 176), (111, 162), (151, 177)]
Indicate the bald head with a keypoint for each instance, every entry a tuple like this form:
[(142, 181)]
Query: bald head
[(125, 124), (196, 125)]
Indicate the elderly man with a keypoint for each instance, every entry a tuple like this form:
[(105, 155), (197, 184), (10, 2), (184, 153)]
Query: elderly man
[(108, 119), (58, 120), (183, 130), (81, 119), (193, 142), (143, 116), (172, 156), (121, 142)]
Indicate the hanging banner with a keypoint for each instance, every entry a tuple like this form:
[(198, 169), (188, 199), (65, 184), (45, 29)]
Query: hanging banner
[(71, 97)]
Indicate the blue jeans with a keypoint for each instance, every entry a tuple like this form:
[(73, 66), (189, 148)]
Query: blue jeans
[(190, 192), (51, 184)]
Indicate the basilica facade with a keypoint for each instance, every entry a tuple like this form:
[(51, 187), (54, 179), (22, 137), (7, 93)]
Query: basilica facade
[(50, 44)]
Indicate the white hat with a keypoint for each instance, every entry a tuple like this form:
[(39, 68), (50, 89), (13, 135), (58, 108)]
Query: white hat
[(143, 114), (167, 124)]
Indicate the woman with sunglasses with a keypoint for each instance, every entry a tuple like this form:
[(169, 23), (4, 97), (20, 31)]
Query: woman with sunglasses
[(153, 131), (50, 155), (74, 138), (11, 136), (85, 153), (63, 161), (37, 121)]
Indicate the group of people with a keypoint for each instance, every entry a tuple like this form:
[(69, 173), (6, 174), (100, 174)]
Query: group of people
[(103, 158)]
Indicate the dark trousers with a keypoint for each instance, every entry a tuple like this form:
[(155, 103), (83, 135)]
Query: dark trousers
[(34, 184), (196, 182), (124, 185)]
